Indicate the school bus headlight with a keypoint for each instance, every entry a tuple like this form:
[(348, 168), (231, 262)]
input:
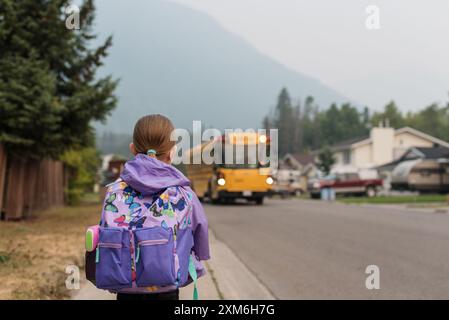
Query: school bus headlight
[(263, 139), (269, 180), (221, 182)]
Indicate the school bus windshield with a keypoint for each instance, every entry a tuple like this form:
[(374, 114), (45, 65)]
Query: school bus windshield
[(243, 157)]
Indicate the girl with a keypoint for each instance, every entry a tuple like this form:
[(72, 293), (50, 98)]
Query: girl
[(150, 190)]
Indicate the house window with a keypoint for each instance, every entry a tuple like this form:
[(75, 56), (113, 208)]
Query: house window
[(347, 157)]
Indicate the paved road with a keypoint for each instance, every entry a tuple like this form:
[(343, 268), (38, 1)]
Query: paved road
[(308, 249)]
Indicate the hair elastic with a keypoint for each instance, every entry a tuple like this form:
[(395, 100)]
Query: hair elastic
[(151, 152)]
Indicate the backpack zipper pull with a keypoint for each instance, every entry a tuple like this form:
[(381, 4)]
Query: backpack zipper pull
[(97, 255), (137, 254)]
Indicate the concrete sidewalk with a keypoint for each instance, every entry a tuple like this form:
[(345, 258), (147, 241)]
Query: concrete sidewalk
[(227, 278)]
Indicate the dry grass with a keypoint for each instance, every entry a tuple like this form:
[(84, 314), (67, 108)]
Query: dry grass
[(35, 253)]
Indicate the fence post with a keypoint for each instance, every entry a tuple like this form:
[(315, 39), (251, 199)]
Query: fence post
[(15, 189), (51, 183), (45, 193), (60, 183), (39, 195), (3, 159), (32, 167)]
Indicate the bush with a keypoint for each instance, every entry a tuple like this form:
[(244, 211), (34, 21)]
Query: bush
[(83, 166)]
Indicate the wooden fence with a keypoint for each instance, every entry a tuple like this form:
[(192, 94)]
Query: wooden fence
[(27, 186), (2, 175)]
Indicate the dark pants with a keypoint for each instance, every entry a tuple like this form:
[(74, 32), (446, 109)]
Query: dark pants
[(171, 295)]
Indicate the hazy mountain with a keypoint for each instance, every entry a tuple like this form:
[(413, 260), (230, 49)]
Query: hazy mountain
[(180, 62)]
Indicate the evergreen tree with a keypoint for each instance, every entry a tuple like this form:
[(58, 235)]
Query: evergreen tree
[(49, 92), (341, 123), (297, 129), (284, 122), (366, 118), (266, 123), (391, 116), (433, 120), (326, 160), (30, 117), (331, 124), (308, 128), (311, 131)]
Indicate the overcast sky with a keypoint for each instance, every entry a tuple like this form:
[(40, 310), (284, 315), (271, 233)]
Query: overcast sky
[(407, 59)]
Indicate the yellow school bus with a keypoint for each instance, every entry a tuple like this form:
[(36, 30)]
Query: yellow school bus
[(239, 174)]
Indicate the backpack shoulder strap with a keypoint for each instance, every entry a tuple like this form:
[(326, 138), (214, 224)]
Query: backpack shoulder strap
[(193, 275)]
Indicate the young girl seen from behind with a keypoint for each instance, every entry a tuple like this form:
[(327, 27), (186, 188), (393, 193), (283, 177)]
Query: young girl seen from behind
[(153, 231)]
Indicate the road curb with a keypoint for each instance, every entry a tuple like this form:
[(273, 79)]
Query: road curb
[(232, 277)]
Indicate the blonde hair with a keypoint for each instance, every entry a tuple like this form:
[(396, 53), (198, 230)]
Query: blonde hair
[(152, 136)]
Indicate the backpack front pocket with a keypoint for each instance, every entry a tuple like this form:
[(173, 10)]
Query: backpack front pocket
[(113, 258), (154, 257)]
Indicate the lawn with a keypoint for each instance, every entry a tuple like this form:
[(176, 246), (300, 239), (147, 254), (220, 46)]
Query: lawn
[(34, 253), (425, 198)]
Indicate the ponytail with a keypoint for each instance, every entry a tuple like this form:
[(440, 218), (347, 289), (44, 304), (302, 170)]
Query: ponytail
[(152, 136)]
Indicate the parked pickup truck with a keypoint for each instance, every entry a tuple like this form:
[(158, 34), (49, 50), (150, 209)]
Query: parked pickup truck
[(345, 184)]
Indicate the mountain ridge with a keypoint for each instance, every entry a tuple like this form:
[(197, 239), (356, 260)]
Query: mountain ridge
[(180, 62)]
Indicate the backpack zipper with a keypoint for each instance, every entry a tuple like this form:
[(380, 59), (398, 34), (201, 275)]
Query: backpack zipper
[(105, 245), (144, 243), (110, 245), (152, 242)]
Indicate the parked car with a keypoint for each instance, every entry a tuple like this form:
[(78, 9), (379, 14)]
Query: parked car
[(346, 184), (287, 183), (422, 175)]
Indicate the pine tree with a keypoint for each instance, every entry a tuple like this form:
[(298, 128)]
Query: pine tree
[(391, 116), (284, 122), (433, 120), (326, 160), (297, 129), (30, 117), (49, 91)]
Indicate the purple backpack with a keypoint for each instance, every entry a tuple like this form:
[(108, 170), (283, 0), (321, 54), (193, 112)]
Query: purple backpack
[(145, 242)]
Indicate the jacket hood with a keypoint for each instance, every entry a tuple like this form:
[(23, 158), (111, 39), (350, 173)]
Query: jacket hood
[(150, 176)]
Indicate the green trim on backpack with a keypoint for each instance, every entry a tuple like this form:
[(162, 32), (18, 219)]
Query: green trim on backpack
[(97, 255), (193, 275)]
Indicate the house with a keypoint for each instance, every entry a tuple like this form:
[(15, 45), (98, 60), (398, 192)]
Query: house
[(294, 171), (111, 167), (383, 145)]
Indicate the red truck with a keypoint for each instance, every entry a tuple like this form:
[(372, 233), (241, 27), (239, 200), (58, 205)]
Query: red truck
[(345, 184)]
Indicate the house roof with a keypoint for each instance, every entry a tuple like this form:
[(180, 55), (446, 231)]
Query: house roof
[(423, 135), (432, 153), (299, 160), (304, 159), (347, 144)]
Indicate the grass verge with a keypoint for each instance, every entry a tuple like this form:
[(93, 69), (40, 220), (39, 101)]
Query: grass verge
[(425, 198), (34, 253)]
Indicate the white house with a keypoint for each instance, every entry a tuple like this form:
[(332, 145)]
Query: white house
[(382, 146)]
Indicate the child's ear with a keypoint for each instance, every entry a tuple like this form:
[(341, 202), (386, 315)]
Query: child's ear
[(132, 148)]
